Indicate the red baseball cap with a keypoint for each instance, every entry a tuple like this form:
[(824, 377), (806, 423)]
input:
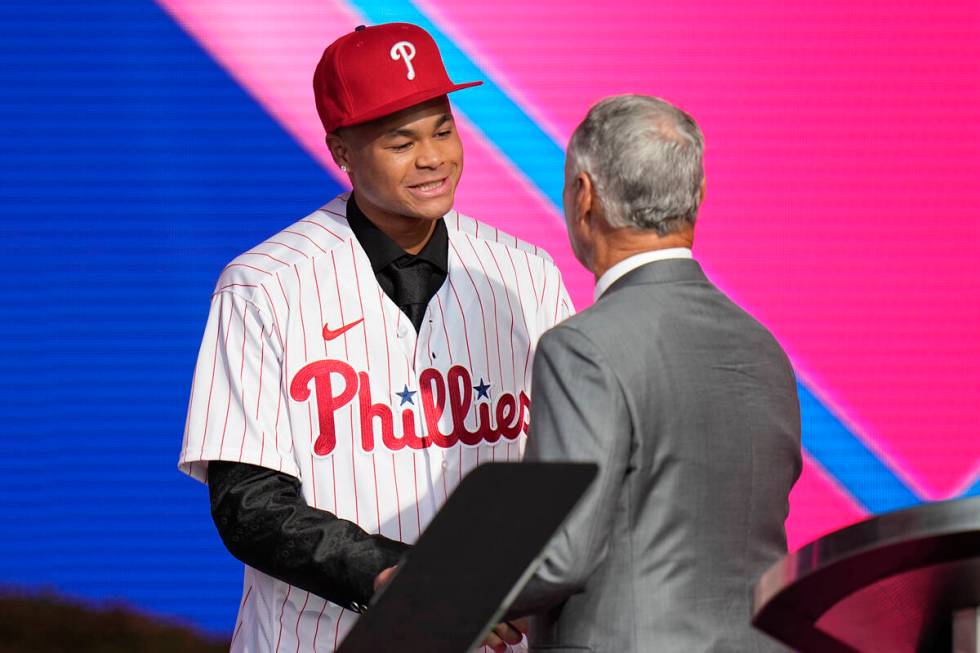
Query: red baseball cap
[(376, 71)]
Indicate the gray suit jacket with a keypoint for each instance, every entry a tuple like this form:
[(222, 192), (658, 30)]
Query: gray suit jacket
[(689, 406)]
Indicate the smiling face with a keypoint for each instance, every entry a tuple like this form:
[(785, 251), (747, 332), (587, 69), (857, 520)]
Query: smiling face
[(405, 165)]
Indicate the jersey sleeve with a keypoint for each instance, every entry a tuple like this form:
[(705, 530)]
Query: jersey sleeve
[(237, 405), (555, 306)]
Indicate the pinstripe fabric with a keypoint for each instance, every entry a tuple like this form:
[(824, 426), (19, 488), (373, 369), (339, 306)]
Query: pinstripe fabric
[(307, 367)]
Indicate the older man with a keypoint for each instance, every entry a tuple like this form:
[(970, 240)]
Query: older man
[(318, 412), (687, 403)]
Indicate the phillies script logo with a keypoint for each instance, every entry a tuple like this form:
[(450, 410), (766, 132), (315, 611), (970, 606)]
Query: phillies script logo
[(406, 51), (336, 383)]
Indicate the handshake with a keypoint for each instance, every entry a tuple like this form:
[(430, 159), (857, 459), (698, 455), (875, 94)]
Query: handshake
[(466, 580), (500, 636)]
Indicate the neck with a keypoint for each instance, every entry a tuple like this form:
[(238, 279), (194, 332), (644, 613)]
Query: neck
[(619, 244), (409, 232)]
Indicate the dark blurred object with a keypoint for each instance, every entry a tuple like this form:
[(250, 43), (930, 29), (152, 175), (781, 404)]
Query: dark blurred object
[(463, 578), (47, 622)]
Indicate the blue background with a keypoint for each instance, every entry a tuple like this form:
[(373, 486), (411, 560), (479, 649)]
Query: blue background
[(133, 169)]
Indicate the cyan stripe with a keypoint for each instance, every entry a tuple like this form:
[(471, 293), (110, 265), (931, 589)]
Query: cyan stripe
[(503, 123), (534, 152), (974, 490), (842, 454)]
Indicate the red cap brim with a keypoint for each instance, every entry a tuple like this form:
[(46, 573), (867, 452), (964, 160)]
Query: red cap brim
[(402, 103)]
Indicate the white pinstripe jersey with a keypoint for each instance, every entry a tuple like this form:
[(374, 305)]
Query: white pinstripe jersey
[(307, 367)]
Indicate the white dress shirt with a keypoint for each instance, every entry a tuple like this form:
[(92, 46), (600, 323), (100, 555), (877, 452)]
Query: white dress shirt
[(610, 276)]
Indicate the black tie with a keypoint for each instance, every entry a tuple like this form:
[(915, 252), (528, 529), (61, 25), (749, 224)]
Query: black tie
[(411, 282)]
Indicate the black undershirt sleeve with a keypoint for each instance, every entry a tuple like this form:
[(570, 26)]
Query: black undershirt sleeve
[(265, 522)]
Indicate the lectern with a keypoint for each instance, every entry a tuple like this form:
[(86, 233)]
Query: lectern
[(903, 581)]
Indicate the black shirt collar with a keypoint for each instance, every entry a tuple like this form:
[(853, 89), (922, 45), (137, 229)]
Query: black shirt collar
[(381, 250)]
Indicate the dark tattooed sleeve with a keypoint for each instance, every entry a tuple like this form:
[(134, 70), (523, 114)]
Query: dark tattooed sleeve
[(264, 521)]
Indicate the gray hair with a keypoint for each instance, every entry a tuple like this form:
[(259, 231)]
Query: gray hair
[(644, 157)]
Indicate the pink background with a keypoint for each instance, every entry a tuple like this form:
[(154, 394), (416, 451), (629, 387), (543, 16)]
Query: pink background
[(843, 148)]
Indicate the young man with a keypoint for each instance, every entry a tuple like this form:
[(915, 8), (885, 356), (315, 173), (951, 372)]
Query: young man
[(359, 363)]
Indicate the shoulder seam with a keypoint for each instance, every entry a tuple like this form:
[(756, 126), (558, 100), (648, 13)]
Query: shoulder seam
[(565, 326), (530, 248), (262, 311)]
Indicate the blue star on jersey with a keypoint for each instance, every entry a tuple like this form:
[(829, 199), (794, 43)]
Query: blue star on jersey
[(482, 390), (406, 396)]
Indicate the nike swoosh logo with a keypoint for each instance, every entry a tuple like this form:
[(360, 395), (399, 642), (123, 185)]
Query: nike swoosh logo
[(330, 334)]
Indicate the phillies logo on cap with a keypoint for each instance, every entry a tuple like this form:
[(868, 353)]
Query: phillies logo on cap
[(376, 71), (404, 50)]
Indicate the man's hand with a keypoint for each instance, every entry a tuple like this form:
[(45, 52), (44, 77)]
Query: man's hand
[(384, 578), (508, 632)]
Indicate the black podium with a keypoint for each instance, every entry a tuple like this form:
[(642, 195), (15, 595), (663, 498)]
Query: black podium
[(902, 581), (468, 564)]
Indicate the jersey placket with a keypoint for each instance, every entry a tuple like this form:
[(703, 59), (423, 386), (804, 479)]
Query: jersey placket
[(439, 347), (430, 351), (420, 351)]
